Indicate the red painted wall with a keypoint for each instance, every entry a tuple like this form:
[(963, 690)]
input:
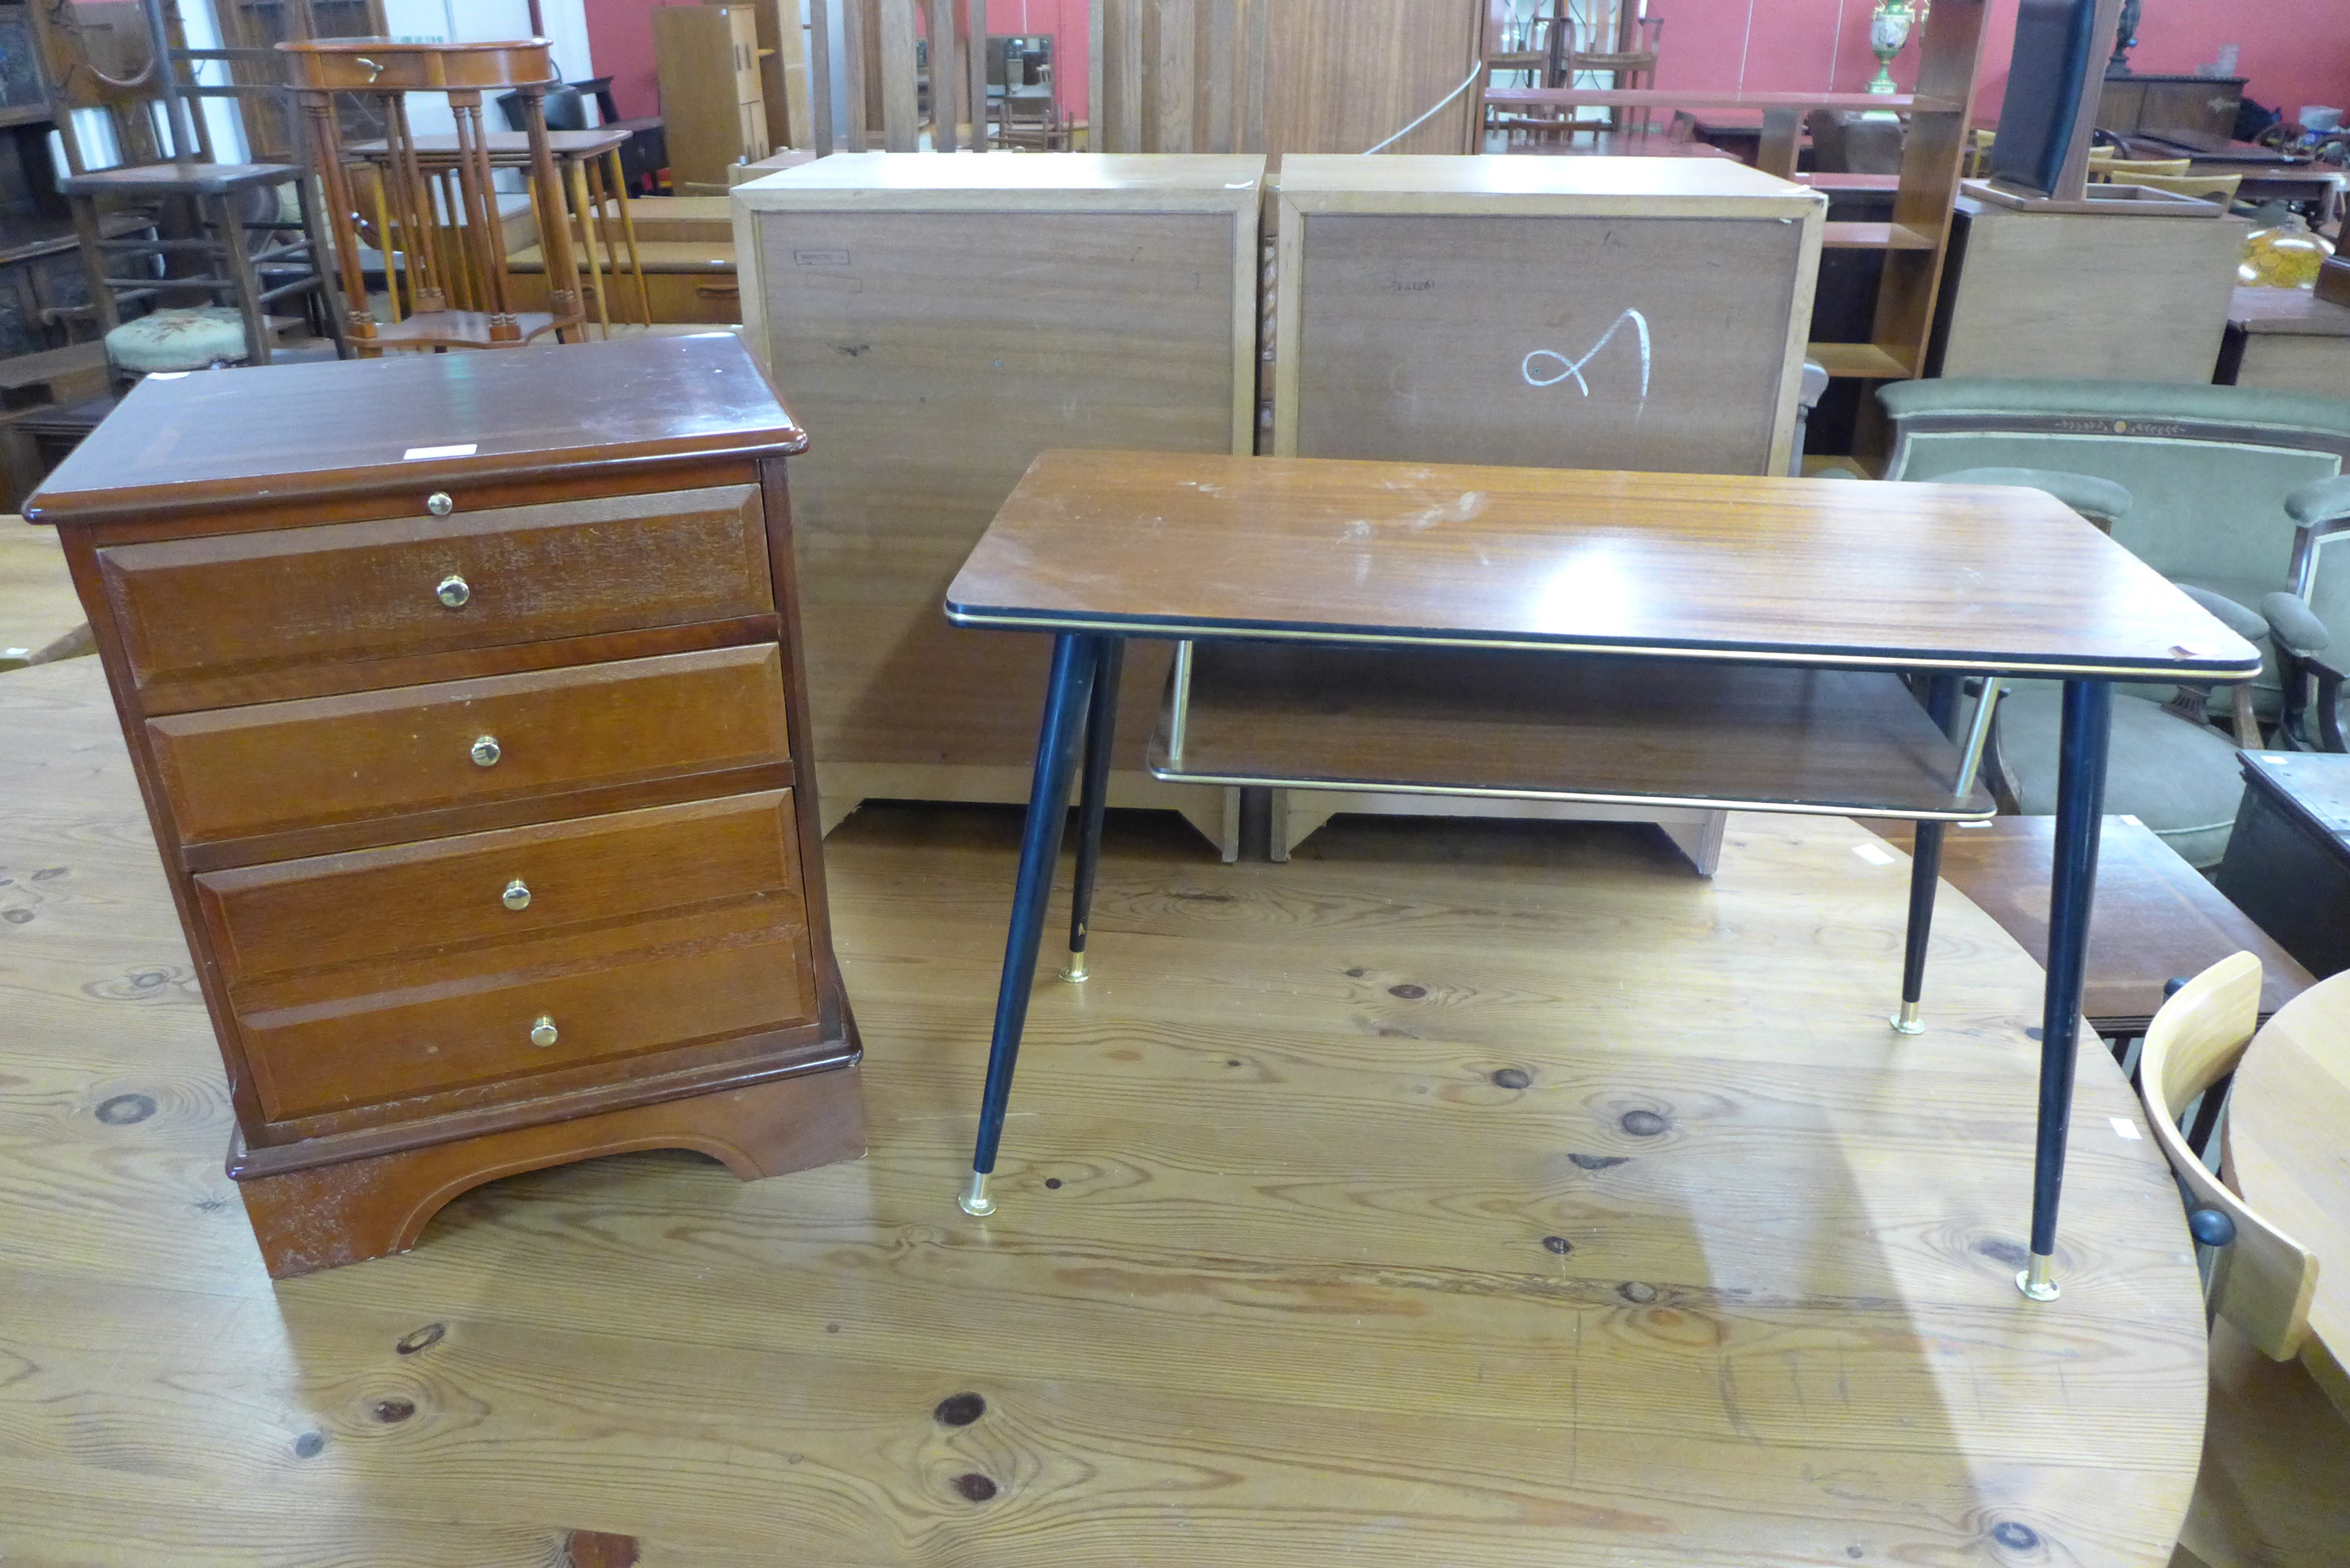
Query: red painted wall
[(620, 37), (2296, 52)]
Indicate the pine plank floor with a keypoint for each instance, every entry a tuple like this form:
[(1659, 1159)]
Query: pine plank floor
[(1471, 1195)]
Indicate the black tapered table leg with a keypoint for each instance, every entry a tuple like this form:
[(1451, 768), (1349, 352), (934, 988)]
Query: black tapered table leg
[(1076, 658), (1925, 870), (2080, 808), (1101, 733)]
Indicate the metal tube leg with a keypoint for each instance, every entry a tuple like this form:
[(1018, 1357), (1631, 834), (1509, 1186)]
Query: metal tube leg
[(2080, 806), (1075, 657), (1101, 728), (1925, 872)]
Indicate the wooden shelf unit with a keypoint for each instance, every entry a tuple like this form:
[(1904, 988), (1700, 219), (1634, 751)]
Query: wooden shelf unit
[(1918, 236)]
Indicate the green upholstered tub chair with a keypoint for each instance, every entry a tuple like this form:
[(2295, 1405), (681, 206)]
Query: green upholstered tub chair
[(2167, 766), (2208, 468), (2312, 623)]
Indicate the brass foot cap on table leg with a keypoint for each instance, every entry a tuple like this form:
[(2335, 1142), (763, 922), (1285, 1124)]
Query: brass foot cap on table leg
[(1075, 969), (2039, 1281), (975, 1199), (1906, 1022)]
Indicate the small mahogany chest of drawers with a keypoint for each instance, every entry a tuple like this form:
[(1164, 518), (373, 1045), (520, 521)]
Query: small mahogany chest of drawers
[(465, 694)]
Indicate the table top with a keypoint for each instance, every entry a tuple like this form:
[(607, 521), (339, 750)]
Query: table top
[(2311, 786), (1808, 571), (2288, 313), (2155, 917), (1700, 185), (1687, 98), (505, 146), (2288, 1142), (413, 420)]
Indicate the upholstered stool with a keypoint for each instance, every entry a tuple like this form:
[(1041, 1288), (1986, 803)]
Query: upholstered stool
[(192, 339)]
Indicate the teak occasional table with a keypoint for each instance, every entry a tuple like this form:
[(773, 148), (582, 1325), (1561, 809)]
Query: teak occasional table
[(1558, 634)]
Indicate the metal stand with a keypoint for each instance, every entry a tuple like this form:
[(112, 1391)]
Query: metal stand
[(1077, 662), (2080, 806), (1101, 729)]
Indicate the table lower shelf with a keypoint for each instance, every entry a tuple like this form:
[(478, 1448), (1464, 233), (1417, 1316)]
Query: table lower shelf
[(1537, 726)]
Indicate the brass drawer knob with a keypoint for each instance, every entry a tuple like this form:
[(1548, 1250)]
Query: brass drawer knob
[(485, 752), (440, 503), (454, 591), (516, 896), (541, 1033)]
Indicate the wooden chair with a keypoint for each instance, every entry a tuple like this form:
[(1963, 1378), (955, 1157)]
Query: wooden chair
[(440, 259), (167, 226), (2271, 1490), (2219, 188), (2126, 170), (2260, 1280), (1630, 60)]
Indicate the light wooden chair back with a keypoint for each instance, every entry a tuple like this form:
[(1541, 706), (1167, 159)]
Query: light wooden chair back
[(2220, 187), (2263, 1282), (2125, 170)]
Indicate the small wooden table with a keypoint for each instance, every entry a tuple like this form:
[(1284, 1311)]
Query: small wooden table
[(588, 169), (2287, 1153), (2288, 861), (1803, 600), (2285, 340), (2156, 918)]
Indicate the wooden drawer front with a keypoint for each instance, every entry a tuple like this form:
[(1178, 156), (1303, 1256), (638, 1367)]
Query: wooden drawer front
[(620, 992), (239, 771), (333, 910), (239, 604)]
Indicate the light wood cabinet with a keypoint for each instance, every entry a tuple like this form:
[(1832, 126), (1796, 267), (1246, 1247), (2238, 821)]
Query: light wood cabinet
[(940, 322), (713, 105), (468, 707)]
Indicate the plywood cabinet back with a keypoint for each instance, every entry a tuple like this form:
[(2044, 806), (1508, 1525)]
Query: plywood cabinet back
[(941, 322), (1606, 313), (237, 604)]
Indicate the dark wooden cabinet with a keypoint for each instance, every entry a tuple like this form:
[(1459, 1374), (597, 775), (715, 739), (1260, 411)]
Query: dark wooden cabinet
[(466, 694)]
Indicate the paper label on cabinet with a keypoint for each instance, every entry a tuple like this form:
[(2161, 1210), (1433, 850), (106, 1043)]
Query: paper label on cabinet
[(424, 453)]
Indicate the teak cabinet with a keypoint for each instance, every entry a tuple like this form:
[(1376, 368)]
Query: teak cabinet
[(467, 702)]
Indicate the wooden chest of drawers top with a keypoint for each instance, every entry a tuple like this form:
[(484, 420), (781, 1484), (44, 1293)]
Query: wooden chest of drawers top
[(337, 436)]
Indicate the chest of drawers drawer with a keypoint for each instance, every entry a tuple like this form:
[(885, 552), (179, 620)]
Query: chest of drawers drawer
[(497, 1017), (212, 609), (243, 771)]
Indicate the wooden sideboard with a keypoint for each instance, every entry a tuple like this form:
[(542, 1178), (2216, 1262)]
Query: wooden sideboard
[(465, 693)]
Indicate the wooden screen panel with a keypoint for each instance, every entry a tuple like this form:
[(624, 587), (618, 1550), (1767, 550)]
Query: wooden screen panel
[(932, 355), (1342, 76), (1472, 340)]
